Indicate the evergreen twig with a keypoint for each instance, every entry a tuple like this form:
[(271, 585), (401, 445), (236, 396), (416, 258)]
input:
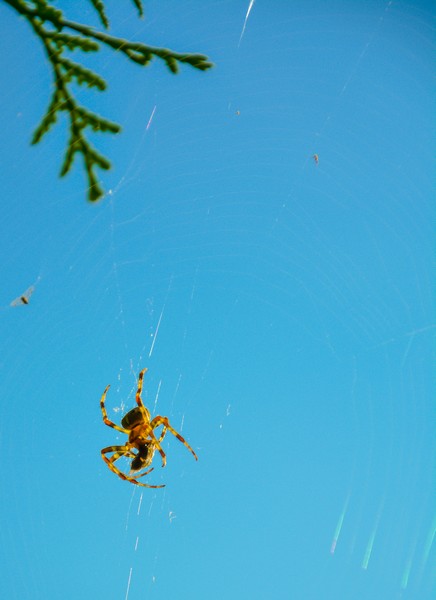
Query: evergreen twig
[(54, 31)]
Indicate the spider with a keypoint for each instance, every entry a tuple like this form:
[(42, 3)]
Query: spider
[(137, 424)]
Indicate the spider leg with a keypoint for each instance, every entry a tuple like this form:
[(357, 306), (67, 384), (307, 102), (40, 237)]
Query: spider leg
[(132, 480), (156, 442), (122, 451), (105, 417), (139, 391), (118, 455), (142, 474), (119, 452), (164, 421), (146, 414), (129, 454), (162, 434)]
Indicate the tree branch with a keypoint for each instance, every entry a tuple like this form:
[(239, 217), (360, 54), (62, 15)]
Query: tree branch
[(55, 40)]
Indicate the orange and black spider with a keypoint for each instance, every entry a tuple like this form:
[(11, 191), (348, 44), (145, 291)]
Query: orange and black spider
[(137, 424)]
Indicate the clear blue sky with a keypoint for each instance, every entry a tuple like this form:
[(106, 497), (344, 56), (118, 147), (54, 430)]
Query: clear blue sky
[(284, 309)]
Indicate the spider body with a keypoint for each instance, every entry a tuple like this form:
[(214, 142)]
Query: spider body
[(142, 442), (133, 418), (142, 459)]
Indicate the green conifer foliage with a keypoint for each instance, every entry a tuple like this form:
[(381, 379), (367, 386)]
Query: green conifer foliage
[(57, 34)]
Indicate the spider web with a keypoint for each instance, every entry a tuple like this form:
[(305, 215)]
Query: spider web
[(283, 309)]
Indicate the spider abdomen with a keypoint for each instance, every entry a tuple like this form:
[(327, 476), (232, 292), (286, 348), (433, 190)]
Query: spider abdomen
[(142, 459), (132, 418)]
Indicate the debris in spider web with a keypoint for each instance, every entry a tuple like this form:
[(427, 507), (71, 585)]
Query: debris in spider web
[(250, 6), (25, 296), (120, 408), (428, 545), (128, 510), (155, 333), (157, 396), (172, 516), (372, 537), (228, 409), (151, 507), (339, 525), (128, 583), (151, 118), (139, 505)]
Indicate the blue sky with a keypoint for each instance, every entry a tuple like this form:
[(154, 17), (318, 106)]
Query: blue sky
[(284, 310)]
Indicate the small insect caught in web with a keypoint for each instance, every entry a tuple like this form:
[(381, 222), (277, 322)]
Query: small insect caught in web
[(24, 298)]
